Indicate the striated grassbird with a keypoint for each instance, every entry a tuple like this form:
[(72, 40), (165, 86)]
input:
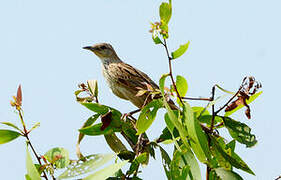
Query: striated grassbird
[(124, 80)]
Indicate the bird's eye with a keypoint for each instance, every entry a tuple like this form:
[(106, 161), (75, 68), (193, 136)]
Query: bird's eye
[(103, 47)]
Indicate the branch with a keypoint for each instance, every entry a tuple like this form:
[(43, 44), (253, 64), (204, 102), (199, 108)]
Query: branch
[(213, 108), (199, 99), (31, 146), (226, 104), (211, 129), (171, 72)]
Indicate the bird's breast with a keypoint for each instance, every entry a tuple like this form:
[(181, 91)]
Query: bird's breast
[(113, 83)]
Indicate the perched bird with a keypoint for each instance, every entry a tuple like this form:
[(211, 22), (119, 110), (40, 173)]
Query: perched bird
[(124, 80)]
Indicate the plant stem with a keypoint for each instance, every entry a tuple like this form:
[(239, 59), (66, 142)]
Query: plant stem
[(29, 142), (211, 129), (133, 112), (171, 72), (213, 108), (22, 122), (199, 99), (226, 104)]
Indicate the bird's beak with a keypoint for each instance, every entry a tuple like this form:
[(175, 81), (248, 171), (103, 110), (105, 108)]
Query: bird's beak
[(88, 47)]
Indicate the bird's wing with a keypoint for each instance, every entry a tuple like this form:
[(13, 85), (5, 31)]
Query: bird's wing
[(130, 76)]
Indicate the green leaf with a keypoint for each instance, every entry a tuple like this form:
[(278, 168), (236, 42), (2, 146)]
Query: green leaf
[(40, 168), (173, 135), (165, 12), (228, 149), (115, 143), (91, 120), (130, 132), (32, 172), (231, 145), (58, 156), (36, 125), (141, 159), (240, 132), (78, 92), (224, 90), (147, 116), (127, 155), (11, 125), (166, 137), (162, 82), (156, 39), (192, 162), (106, 172), (164, 30), (93, 87), (184, 164), (95, 107), (199, 141), (219, 158), (91, 163), (213, 176), (166, 160), (233, 159), (227, 174), (8, 135), (102, 110), (200, 111), (180, 51), (248, 101), (95, 130), (208, 119), (173, 119), (182, 85), (27, 177), (169, 123)]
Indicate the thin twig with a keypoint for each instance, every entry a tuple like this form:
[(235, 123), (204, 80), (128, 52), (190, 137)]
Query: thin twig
[(199, 99), (133, 112), (226, 104), (31, 146), (171, 72), (213, 108), (23, 124), (211, 129), (220, 124)]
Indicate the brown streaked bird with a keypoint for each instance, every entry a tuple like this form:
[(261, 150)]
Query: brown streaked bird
[(123, 79)]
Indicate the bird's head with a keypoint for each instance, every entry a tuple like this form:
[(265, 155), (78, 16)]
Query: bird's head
[(103, 50)]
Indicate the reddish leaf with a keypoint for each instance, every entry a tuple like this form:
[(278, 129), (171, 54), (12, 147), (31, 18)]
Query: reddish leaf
[(106, 120), (248, 88), (248, 113), (251, 82), (19, 96), (234, 104)]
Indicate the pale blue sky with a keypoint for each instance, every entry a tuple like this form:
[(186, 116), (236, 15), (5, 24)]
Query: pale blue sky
[(41, 48)]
